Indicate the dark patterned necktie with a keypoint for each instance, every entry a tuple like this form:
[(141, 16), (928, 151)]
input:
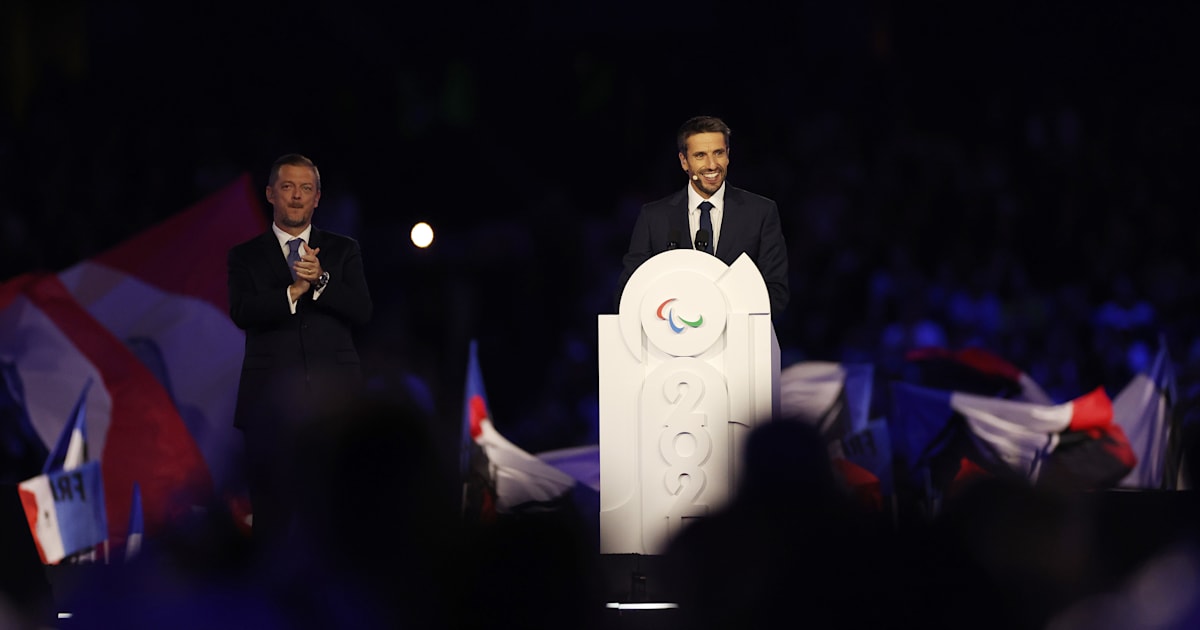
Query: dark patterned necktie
[(293, 256), (706, 224)]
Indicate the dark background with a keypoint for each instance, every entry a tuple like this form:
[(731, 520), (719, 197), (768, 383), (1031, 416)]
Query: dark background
[(1010, 175)]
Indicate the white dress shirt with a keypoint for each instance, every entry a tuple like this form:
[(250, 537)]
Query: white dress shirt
[(717, 211), (283, 238)]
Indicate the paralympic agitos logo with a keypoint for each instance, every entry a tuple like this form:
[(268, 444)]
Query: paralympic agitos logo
[(670, 318)]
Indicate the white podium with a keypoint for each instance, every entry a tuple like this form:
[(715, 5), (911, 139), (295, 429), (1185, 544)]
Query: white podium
[(688, 366)]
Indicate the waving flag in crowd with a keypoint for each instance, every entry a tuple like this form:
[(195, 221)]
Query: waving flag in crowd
[(1145, 409), (976, 371), (498, 476), (938, 434), (137, 526), (21, 448), (65, 504), (835, 398), (163, 293), (147, 322), (133, 429)]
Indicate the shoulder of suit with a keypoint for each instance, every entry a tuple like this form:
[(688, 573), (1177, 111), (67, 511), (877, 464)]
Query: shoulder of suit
[(738, 194), (257, 241), (326, 237), (672, 200)]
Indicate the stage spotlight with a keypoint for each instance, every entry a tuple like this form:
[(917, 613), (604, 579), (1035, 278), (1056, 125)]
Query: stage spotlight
[(422, 235), (642, 605)]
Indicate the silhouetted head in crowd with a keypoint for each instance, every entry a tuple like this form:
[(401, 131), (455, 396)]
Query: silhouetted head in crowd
[(375, 516), (789, 547), (1002, 540), (785, 463)]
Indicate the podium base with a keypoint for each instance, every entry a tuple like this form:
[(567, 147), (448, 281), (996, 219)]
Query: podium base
[(631, 578)]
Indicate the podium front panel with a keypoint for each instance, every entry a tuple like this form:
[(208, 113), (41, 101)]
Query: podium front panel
[(688, 367)]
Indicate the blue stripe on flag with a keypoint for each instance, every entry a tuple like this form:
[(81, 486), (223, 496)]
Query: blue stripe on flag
[(918, 426), (24, 454), (474, 387), (79, 503), (76, 424)]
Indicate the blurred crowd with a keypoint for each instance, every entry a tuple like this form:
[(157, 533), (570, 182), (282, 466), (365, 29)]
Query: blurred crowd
[(376, 546)]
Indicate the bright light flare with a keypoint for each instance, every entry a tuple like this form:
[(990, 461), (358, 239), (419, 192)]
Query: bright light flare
[(422, 235)]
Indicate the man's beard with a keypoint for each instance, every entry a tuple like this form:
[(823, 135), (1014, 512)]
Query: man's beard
[(711, 189), (295, 223)]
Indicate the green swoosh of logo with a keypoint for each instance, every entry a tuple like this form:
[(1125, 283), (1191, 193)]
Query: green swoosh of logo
[(695, 324)]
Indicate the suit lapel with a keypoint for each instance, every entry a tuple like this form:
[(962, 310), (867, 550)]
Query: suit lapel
[(730, 236), (678, 221), (274, 258)]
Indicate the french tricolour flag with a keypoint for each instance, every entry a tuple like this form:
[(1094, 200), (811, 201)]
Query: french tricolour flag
[(64, 505), (148, 322), (835, 398), (977, 371), (137, 526), (133, 430), (164, 294), (500, 477), (1145, 409), (1015, 434)]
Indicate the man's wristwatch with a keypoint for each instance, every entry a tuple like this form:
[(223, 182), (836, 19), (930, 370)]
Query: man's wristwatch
[(322, 280)]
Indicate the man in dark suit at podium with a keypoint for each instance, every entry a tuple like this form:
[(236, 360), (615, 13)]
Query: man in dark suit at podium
[(712, 216), (299, 292)]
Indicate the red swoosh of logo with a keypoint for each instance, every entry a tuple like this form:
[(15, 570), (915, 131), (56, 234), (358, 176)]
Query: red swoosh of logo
[(660, 307)]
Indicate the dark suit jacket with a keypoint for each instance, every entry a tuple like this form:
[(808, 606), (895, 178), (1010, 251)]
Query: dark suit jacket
[(309, 352), (749, 223)]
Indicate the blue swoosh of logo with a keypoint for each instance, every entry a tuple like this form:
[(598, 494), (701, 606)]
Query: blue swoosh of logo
[(671, 322)]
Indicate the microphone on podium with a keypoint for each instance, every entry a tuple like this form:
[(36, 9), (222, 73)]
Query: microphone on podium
[(673, 240), (702, 239)]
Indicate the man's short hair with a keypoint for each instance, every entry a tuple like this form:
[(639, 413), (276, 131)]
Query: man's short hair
[(701, 124), (292, 159)]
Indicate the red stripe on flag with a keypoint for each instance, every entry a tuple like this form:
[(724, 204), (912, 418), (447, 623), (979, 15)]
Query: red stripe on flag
[(977, 359), (863, 484), (478, 413), (11, 289), (1113, 441), (989, 363), (968, 473), (147, 440), (179, 254), (1092, 410), (926, 354), (29, 502)]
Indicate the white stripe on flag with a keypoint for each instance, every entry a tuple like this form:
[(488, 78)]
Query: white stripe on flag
[(1020, 434), (56, 346), (49, 366), (1140, 410), (809, 388), (519, 476), (200, 350), (38, 502)]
